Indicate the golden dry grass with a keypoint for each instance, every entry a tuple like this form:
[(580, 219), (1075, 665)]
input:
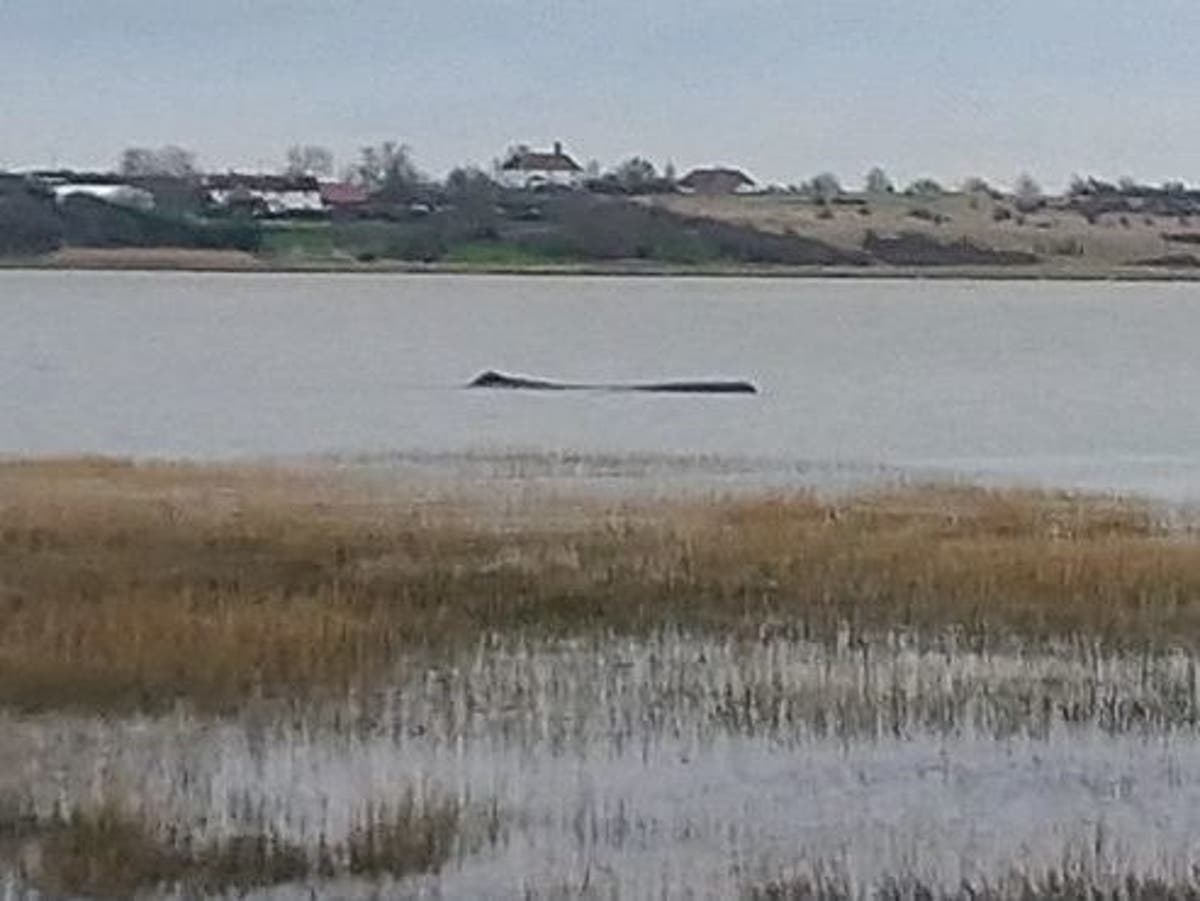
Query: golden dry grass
[(1113, 241), (152, 258), (134, 587)]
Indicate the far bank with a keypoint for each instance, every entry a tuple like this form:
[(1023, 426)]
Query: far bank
[(183, 259)]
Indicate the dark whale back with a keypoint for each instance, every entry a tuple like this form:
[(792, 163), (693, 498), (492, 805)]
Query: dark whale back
[(493, 379)]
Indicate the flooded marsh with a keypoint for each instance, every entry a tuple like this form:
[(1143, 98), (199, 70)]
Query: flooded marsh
[(283, 683)]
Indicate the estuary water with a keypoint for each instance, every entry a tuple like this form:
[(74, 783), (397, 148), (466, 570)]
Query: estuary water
[(1082, 384), (671, 765)]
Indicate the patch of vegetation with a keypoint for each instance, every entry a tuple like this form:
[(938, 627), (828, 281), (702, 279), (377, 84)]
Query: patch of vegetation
[(33, 222), (110, 852), (605, 229), (314, 240), (498, 254), (927, 215), (29, 224), (1182, 237), (917, 249), (1171, 261), (1068, 884), (280, 587), (88, 222)]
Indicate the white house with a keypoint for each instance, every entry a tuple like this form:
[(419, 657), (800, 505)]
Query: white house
[(266, 195), (117, 194), (64, 183), (527, 168)]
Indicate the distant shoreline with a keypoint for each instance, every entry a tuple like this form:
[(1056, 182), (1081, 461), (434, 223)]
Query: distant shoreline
[(186, 260)]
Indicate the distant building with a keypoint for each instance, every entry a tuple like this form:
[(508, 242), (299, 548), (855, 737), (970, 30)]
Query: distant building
[(99, 186), (343, 196), (527, 168), (266, 195), (716, 180), (118, 195)]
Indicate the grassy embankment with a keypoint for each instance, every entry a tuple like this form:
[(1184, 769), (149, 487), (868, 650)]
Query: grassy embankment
[(977, 235), (1066, 243), (286, 585)]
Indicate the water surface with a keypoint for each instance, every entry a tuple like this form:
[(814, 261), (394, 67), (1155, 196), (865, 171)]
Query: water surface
[(1091, 384)]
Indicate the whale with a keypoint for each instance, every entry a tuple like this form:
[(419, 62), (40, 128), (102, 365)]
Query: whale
[(493, 379)]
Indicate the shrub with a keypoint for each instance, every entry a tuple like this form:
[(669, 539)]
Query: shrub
[(927, 215), (919, 249), (89, 222), (29, 223)]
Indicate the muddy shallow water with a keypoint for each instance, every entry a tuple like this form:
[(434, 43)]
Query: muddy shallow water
[(680, 766)]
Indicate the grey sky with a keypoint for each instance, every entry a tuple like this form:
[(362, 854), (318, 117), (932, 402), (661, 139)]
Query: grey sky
[(785, 88)]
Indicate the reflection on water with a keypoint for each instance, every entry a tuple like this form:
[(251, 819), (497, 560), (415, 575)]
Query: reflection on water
[(678, 764), (1090, 384)]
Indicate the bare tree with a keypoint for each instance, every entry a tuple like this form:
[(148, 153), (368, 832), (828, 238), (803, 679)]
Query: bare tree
[(468, 184), (1027, 193), (825, 186), (877, 182), (925, 187), (309, 159), (975, 185), (635, 174), (388, 171), (169, 160)]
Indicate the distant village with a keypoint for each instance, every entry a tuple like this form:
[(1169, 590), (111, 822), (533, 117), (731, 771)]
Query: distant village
[(168, 178), (148, 183), (540, 206)]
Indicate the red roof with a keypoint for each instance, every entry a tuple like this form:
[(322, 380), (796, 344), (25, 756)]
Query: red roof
[(341, 193)]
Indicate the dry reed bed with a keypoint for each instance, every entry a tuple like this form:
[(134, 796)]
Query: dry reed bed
[(137, 586)]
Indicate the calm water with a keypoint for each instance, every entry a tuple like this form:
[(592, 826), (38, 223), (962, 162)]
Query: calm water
[(1089, 384)]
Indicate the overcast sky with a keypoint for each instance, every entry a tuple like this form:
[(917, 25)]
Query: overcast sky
[(783, 88)]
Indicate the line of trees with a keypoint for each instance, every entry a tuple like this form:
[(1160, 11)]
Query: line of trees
[(388, 169)]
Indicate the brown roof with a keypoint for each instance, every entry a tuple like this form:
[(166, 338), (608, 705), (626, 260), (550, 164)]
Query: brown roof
[(531, 161)]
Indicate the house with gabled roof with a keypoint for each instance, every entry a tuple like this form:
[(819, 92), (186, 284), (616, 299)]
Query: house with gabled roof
[(527, 169)]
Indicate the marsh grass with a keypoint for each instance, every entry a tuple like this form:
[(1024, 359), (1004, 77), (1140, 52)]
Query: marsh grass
[(137, 587), (1067, 884), (111, 852)]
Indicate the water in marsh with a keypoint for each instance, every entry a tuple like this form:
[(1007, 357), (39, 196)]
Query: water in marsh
[(1096, 385), (683, 767), (668, 766)]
